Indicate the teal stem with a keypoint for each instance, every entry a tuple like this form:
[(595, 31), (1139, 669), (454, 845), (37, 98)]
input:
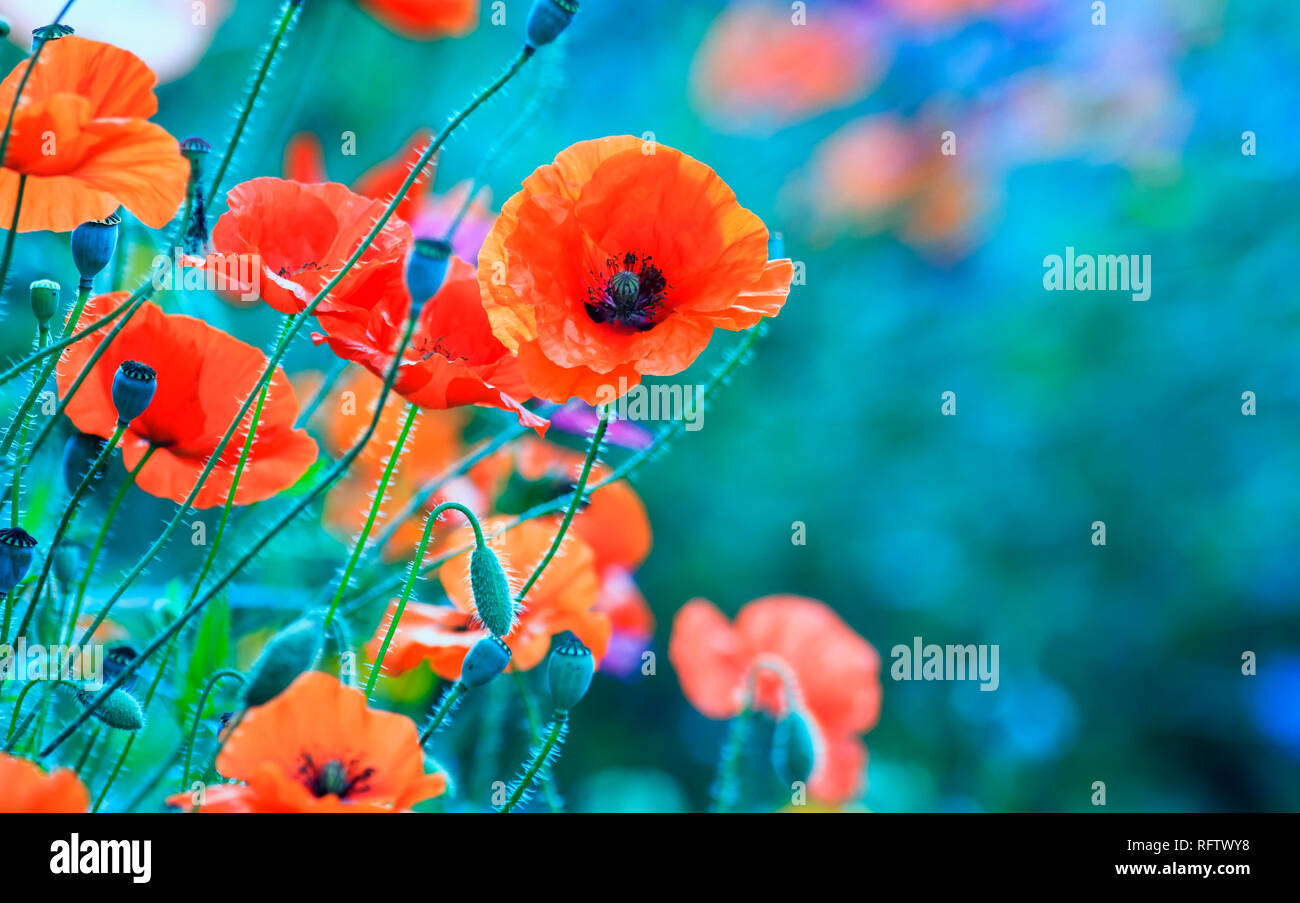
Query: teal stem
[(18, 707), (21, 422), (326, 386), (8, 253), (553, 799), (446, 706), (216, 678), (222, 739), (726, 788), (542, 756), (85, 751)]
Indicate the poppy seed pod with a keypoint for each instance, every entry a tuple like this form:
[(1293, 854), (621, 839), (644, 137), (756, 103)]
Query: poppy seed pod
[(195, 149), (133, 388), (50, 33), (794, 751), (79, 453), (45, 300), (547, 19), (93, 244), (120, 710), (492, 597), (485, 660), (16, 551), (425, 270), (289, 653), (569, 673)]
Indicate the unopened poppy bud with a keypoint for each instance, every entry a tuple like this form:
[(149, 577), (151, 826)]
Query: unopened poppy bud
[(288, 654), (794, 751), (93, 244), (120, 710), (426, 270), (569, 673), (16, 551), (133, 388), (485, 660), (79, 452), (69, 562), (492, 597), (547, 19), (45, 300)]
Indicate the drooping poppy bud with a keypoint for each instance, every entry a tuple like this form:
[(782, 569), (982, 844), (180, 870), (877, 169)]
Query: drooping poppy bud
[(425, 271), (569, 673), (485, 660), (120, 710), (16, 551), (493, 600), (794, 750), (288, 654), (93, 244), (79, 453), (45, 300), (547, 19), (133, 388)]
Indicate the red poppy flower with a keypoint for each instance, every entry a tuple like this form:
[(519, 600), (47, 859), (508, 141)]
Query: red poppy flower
[(317, 748), (425, 18), (620, 259), (836, 671), (25, 788), (204, 375), (300, 236), (453, 359), (82, 137)]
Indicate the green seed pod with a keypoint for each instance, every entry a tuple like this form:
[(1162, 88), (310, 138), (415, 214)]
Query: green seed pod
[(119, 711), (794, 750), (492, 597), (547, 19), (45, 300), (569, 673), (288, 654)]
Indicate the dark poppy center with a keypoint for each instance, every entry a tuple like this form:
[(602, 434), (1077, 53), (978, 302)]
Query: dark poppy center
[(335, 777), (629, 294)]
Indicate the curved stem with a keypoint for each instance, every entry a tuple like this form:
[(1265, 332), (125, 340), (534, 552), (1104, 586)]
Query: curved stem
[(412, 412), (446, 706), (541, 757), (535, 734), (198, 716), (726, 788), (100, 538)]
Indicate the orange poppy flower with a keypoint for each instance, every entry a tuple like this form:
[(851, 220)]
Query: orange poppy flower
[(592, 291), (453, 359), (836, 671), (753, 72), (425, 18), (300, 236), (317, 748), (82, 137), (204, 375), (562, 599), (25, 788)]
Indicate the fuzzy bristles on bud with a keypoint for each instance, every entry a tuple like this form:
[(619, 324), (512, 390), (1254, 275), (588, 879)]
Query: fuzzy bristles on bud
[(794, 748), (119, 711), (288, 654), (493, 599)]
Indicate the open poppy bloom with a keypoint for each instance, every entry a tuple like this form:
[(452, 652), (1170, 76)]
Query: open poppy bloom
[(25, 788), (562, 599), (83, 138), (301, 235), (620, 259), (317, 748), (836, 671), (453, 358), (425, 18), (204, 375)]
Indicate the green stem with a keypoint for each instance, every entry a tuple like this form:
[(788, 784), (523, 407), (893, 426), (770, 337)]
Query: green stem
[(535, 734), (412, 411), (726, 789), (98, 546), (85, 751), (21, 421), (412, 574), (198, 716), (448, 703), (18, 206), (578, 491), (288, 13), (18, 707), (541, 757)]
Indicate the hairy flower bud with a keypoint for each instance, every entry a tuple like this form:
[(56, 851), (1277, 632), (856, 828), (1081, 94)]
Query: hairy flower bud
[(569, 673), (93, 244), (492, 597), (45, 300), (133, 388), (547, 19), (16, 551), (120, 710), (794, 750), (288, 654), (485, 660)]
